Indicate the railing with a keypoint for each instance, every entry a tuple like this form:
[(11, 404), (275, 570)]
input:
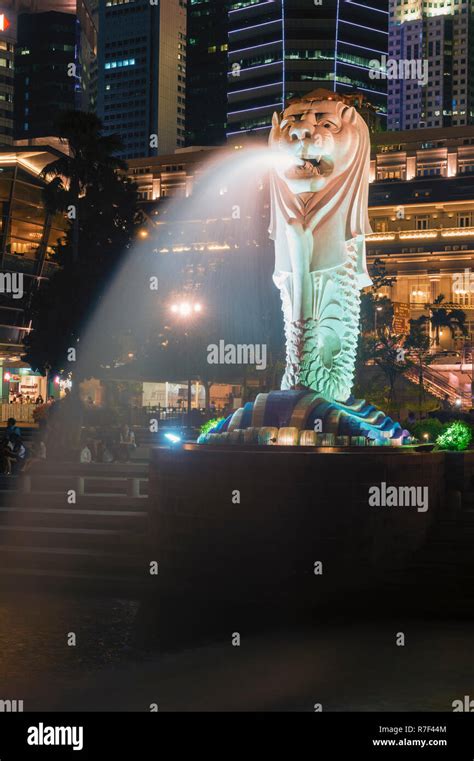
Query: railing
[(23, 413), (171, 415), (429, 234), (436, 384)]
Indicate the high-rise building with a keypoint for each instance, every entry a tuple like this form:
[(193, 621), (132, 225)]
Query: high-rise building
[(142, 74), (44, 84), (206, 85), (435, 42), (7, 52), (54, 66), (289, 47), (88, 19)]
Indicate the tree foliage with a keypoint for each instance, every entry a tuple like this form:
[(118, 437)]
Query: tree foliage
[(376, 310), (418, 348), (445, 315), (101, 205), (390, 357)]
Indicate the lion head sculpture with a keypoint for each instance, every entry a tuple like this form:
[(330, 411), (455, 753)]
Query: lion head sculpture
[(324, 173)]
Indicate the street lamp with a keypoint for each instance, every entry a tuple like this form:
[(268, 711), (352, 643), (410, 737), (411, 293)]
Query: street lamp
[(377, 309), (187, 310)]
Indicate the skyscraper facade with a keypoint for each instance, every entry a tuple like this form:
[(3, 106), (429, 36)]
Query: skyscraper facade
[(288, 47), (206, 85), (88, 29), (7, 53), (49, 63), (142, 74), (44, 81), (434, 39)]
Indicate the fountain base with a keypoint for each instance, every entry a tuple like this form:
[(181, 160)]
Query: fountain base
[(305, 418), (279, 530)]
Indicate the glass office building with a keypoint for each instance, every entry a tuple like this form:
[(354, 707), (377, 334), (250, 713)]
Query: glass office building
[(282, 48), (142, 74), (438, 37)]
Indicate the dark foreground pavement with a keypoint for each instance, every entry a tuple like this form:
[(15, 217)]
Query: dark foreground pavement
[(343, 664)]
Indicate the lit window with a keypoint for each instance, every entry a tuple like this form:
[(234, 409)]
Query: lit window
[(115, 64), (421, 223)]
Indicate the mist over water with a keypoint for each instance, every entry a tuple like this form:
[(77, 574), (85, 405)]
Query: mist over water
[(211, 247)]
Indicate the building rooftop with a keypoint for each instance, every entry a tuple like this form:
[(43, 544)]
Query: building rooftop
[(40, 6), (422, 135), (34, 157)]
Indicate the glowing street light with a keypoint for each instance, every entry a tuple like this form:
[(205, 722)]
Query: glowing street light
[(187, 310), (377, 309)]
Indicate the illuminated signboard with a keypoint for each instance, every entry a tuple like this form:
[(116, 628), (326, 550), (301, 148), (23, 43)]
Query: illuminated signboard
[(4, 23), (401, 318)]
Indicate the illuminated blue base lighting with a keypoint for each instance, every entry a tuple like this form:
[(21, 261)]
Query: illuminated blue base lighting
[(173, 438)]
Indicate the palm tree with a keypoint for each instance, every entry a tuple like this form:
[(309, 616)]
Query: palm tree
[(417, 345), (390, 357), (102, 228), (445, 315), (90, 162)]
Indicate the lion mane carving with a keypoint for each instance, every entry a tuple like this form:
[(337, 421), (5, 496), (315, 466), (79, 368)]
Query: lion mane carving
[(319, 220)]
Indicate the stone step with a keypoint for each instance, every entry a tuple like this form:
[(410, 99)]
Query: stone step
[(94, 468), (60, 499), (141, 453), (74, 517), (114, 541), (90, 485), (68, 576), (73, 561), (52, 580), (9, 483)]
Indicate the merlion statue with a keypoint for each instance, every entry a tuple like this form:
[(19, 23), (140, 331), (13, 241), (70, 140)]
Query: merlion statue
[(319, 221)]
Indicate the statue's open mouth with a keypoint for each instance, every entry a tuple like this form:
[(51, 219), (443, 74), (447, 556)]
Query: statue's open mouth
[(318, 166)]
